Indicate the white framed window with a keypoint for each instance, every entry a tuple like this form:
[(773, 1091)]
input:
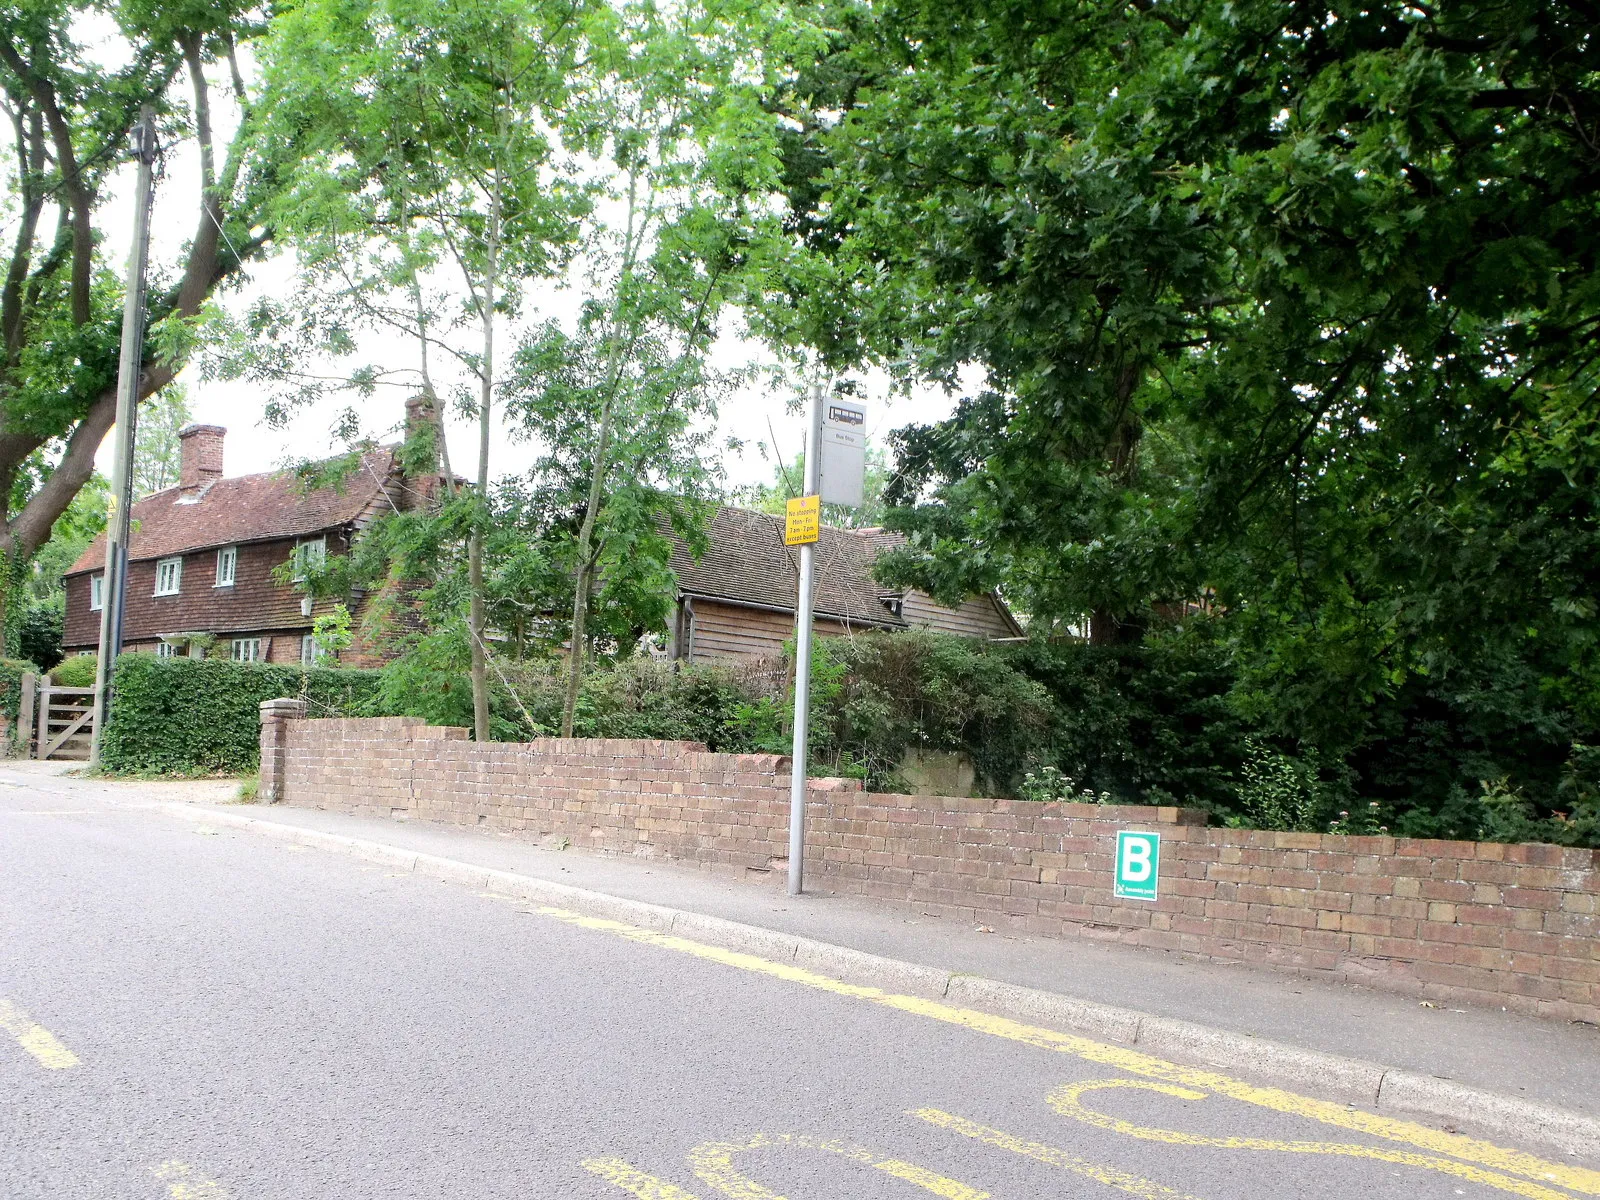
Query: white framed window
[(308, 651), (97, 592), (310, 554), (166, 650), (246, 649), (227, 565), (169, 576)]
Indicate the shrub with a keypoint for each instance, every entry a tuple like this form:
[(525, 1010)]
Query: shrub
[(641, 698), (635, 698), (11, 672), (196, 715), (1279, 791), (1151, 722), (39, 631), (77, 671), (879, 695)]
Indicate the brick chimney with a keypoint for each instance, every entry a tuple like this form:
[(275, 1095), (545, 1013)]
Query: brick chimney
[(202, 455), (420, 420), (419, 412)]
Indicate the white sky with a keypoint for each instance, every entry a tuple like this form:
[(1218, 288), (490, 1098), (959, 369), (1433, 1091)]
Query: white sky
[(755, 418)]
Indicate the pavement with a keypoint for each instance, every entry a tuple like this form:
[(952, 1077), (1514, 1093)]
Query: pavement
[(198, 1000)]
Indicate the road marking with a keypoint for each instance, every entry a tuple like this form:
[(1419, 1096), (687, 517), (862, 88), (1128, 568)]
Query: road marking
[(52, 812), (1038, 1151), (713, 1163), (1135, 1062), (1066, 1101), (929, 1180), (634, 1181), (184, 1182), (35, 1038)]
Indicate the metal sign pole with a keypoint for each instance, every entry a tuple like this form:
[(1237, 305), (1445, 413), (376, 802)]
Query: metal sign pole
[(114, 584), (802, 664)]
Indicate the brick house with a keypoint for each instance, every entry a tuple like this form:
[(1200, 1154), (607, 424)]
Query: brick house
[(738, 599), (203, 556)]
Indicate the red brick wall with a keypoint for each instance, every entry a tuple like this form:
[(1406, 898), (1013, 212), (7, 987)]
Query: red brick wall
[(1517, 926)]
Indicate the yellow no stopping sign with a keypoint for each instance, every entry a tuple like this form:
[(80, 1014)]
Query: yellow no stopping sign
[(803, 521)]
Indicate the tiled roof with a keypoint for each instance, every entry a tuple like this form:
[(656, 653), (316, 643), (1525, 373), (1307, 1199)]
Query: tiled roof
[(881, 539), (747, 561), (246, 508)]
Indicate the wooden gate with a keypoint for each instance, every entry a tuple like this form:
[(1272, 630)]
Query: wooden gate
[(66, 722)]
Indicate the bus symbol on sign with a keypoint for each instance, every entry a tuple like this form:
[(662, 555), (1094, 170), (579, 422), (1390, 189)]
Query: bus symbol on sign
[(1138, 863)]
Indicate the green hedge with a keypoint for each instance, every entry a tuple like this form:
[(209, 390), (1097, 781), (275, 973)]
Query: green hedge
[(197, 715), (77, 671)]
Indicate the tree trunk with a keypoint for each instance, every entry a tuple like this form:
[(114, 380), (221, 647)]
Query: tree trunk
[(597, 475), (476, 616), (580, 593), (1103, 628)]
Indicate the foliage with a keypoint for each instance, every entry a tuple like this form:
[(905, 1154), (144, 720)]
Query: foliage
[(203, 715), (637, 698), (74, 77), (40, 628), (432, 680), (625, 398), (644, 699), (878, 695), (331, 634), (11, 672), (1278, 791), (438, 188), (433, 177), (77, 671), (158, 452), (1286, 309), (1150, 723), (1049, 784), (35, 610)]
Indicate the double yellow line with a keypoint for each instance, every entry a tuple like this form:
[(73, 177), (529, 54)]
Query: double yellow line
[(1531, 1175)]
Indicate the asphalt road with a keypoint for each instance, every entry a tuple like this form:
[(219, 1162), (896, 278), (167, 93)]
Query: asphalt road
[(202, 1015)]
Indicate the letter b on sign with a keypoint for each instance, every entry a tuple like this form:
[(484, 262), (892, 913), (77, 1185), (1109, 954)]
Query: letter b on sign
[(1138, 864)]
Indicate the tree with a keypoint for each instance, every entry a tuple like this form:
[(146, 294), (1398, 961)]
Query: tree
[(35, 609), (689, 155), (433, 191), (1291, 306), (69, 116), (158, 452), (486, 138)]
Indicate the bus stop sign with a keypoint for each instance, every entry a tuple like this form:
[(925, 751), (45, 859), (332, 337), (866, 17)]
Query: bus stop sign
[(1138, 862)]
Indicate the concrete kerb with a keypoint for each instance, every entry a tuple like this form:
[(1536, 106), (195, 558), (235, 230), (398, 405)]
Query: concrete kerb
[(1349, 1079), (1332, 1076)]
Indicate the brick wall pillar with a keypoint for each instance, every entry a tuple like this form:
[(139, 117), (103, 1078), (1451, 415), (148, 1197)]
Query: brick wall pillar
[(275, 718)]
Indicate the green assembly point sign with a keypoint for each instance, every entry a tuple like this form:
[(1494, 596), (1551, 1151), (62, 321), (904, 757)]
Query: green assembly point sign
[(1138, 862)]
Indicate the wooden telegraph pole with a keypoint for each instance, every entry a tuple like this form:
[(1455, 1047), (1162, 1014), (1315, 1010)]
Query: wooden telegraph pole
[(129, 370)]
